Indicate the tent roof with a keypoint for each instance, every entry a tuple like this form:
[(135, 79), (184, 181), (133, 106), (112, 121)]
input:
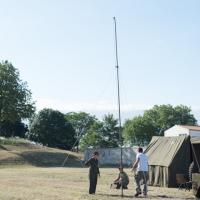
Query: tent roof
[(162, 150), (192, 128), (195, 140)]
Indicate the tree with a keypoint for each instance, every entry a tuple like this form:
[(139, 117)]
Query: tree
[(50, 128), (15, 97), (109, 132), (103, 133), (138, 131), (93, 137), (81, 123), (13, 129), (164, 117), (155, 121)]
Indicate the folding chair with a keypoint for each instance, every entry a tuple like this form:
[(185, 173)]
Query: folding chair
[(182, 182)]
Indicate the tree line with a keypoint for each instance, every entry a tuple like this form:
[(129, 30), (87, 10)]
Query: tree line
[(77, 129)]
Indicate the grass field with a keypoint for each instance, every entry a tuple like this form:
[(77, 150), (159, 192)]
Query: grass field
[(32, 172), (34, 183)]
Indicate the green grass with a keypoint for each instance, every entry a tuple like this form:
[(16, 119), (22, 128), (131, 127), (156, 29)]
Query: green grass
[(34, 183)]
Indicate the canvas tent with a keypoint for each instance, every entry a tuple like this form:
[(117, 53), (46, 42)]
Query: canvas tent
[(168, 156)]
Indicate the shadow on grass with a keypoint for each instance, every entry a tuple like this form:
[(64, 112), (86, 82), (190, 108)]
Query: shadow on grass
[(50, 159), (115, 195), (3, 148), (42, 159), (142, 197)]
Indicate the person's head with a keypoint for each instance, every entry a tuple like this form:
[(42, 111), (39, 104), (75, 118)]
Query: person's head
[(96, 154), (140, 150), (121, 169)]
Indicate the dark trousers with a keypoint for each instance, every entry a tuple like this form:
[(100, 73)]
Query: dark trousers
[(93, 184), (141, 176), (118, 185)]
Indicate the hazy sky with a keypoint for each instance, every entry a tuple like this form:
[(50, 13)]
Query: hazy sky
[(64, 49)]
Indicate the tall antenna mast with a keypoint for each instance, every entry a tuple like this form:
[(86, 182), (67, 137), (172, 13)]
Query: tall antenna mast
[(119, 106)]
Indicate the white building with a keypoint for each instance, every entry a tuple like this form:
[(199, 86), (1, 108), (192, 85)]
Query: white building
[(178, 130)]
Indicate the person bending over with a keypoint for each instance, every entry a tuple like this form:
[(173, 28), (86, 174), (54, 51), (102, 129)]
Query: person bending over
[(121, 181)]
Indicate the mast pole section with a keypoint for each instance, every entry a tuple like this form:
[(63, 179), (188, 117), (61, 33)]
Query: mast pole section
[(119, 102)]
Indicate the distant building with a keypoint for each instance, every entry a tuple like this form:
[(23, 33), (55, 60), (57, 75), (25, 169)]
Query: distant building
[(179, 130)]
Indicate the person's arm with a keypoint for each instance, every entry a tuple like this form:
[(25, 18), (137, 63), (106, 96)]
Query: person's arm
[(115, 181), (88, 162), (98, 172), (135, 164)]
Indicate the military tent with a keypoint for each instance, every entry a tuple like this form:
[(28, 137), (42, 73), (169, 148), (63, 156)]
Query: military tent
[(168, 156)]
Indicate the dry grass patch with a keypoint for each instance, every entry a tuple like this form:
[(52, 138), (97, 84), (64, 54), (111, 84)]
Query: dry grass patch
[(33, 183), (22, 152)]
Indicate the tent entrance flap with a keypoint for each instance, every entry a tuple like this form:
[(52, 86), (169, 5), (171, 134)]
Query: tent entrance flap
[(158, 176)]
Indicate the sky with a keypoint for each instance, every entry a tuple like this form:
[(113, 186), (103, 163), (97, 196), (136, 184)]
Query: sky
[(65, 51)]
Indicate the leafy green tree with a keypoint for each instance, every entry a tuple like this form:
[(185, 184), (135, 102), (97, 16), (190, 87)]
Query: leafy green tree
[(109, 132), (13, 129), (103, 133), (50, 128), (155, 121), (15, 100), (165, 116), (183, 115), (15, 97), (93, 137), (138, 131), (81, 123)]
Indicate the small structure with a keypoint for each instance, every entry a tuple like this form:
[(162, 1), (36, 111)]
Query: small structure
[(183, 130), (111, 156), (168, 156)]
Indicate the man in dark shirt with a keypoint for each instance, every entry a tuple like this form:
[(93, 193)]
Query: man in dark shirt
[(93, 172)]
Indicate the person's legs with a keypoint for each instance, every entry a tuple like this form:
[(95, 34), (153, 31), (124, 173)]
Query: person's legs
[(145, 180), (125, 187), (118, 185), (137, 181), (124, 184), (91, 190), (95, 184)]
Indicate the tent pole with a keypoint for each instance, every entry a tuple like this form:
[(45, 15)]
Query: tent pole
[(195, 156), (118, 91)]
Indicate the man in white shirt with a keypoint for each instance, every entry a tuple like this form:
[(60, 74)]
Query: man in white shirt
[(141, 164)]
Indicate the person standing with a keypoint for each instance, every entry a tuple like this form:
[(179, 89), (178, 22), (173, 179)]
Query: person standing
[(141, 166), (93, 172)]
